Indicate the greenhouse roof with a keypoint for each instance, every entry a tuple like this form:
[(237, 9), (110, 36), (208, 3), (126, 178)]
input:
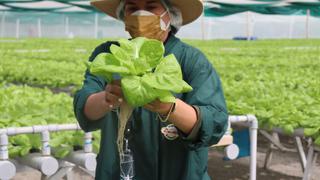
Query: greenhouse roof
[(59, 6), (215, 8)]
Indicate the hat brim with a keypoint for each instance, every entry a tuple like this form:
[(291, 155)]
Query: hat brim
[(190, 9)]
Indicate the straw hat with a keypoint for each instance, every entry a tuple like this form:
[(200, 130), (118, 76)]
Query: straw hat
[(190, 9)]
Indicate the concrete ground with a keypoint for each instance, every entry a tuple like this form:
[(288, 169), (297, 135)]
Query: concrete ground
[(284, 165)]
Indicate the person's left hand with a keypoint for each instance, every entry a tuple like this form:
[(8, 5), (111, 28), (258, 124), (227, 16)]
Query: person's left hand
[(158, 107)]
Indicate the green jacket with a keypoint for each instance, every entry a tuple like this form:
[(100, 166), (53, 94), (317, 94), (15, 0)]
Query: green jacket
[(156, 157)]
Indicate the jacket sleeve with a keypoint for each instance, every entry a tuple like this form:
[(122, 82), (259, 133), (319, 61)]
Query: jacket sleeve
[(207, 95), (91, 84)]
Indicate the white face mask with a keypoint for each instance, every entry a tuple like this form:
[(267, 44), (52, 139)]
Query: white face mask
[(163, 25)]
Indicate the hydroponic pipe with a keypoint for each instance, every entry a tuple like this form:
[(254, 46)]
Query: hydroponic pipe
[(45, 138), (88, 142), (47, 165), (38, 129), (7, 168), (83, 159), (229, 130), (253, 126), (297, 132), (43, 162), (4, 141)]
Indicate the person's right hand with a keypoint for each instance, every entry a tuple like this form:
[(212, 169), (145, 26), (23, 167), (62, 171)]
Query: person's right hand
[(113, 94)]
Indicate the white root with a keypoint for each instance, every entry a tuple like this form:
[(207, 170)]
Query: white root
[(123, 117)]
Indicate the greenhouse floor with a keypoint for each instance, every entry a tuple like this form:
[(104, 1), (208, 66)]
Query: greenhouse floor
[(284, 166)]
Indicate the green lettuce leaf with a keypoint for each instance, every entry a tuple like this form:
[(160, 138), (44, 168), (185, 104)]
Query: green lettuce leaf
[(146, 75), (311, 131)]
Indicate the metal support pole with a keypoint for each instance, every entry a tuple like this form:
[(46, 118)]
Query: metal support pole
[(274, 141), (292, 20), (202, 27), (39, 28), (307, 23), (210, 24), (252, 24), (3, 22), (66, 27), (18, 28), (96, 25), (308, 169), (302, 155), (248, 25), (64, 172), (269, 155)]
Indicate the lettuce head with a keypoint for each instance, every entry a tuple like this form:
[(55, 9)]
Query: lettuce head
[(145, 73)]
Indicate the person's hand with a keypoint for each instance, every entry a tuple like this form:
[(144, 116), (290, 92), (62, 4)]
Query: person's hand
[(113, 94), (159, 107)]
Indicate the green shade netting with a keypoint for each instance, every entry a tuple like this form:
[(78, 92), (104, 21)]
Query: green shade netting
[(225, 8), (58, 6), (213, 8)]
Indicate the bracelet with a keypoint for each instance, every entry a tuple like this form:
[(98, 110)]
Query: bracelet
[(171, 110)]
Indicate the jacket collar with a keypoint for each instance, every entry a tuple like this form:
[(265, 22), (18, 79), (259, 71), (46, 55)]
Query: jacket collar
[(170, 42)]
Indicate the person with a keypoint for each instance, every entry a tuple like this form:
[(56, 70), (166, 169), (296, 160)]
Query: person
[(172, 150)]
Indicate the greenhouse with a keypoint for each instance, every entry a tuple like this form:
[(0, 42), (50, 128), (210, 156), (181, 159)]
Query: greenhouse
[(27, 18), (160, 89)]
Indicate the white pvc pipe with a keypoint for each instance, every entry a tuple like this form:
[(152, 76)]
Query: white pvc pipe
[(253, 146), (38, 129), (232, 151), (45, 164), (237, 119), (18, 28), (68, 127), (64, 127), (4, 141), (88, 142), (83, 159), (229, 130), (253, 125), (45, 138), (7, 170), (20, 130)]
